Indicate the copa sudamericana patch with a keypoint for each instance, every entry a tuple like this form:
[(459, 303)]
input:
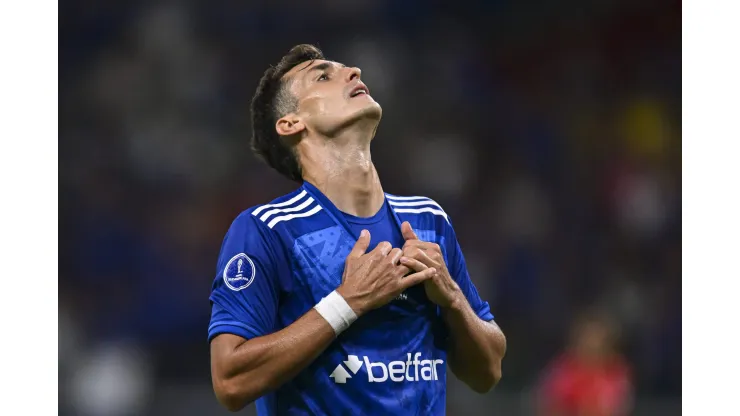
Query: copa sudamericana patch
[(239, 272)]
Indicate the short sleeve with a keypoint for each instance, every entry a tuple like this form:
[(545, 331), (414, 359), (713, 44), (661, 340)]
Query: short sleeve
[(244, 295), (459, 271)]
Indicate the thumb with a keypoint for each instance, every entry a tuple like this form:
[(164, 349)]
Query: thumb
[(361, 245), (408, 232)]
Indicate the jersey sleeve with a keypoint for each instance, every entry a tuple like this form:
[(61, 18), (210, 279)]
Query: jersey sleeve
[(459, 271), (244, 295)]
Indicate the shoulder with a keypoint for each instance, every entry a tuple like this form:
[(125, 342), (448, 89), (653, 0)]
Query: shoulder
[(420, 211), (252, 230), (266, 217)]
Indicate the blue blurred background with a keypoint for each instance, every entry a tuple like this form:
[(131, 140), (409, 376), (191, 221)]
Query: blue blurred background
[(549, 130)]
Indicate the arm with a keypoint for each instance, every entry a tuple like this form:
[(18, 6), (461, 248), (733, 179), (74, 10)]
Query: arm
[(245, 368), (477, 346)]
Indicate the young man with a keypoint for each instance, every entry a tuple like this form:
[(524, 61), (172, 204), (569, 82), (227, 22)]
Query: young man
[(339, 298)]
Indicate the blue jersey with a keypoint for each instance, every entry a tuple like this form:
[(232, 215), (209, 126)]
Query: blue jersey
[(278, 260)]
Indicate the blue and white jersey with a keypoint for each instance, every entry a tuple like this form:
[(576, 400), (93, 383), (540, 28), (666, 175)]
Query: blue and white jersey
[(278, 260)]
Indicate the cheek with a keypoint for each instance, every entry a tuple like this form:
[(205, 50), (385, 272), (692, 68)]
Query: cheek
[(312, 104), (335, 105), (318, 105)]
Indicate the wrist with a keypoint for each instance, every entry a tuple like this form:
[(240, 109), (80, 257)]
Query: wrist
[(336, 311), (354, 303)]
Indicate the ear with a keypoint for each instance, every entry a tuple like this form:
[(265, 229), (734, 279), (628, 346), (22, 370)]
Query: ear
[(289, 125)]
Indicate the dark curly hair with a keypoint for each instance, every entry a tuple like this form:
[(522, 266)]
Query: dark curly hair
[(271, 101)]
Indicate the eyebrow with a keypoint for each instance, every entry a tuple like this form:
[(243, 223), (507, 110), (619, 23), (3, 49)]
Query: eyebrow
[(323, 66)]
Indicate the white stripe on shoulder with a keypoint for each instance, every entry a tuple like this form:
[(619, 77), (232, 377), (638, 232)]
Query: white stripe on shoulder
[(404, 198), (414, 203), (422, 210), (271, 212), (281, 204), (281, 218)]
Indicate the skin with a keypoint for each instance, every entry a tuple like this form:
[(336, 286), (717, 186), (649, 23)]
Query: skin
[(478, 347), (333, 132)]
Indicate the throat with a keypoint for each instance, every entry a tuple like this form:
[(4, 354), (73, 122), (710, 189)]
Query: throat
[(354, 191), (343, 171)]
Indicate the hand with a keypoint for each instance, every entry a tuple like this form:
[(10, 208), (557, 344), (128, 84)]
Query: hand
[(373, 279), (420, 256)]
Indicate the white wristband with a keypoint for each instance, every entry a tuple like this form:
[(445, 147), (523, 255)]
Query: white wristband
[(336, 311)]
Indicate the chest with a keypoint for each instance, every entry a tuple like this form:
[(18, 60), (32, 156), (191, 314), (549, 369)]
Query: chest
[(318, 260)]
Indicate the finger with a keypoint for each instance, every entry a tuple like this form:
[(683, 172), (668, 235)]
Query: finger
[(418, 255), (413, 264), (361, 245), (383, 248), (408, 232), (422, 245), (396, 255), (418, 277), (402, 270)]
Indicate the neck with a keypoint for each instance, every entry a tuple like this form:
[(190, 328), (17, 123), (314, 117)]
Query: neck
[(342, 169)]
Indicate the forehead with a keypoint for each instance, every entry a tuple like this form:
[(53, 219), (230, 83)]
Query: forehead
[(307, 67)]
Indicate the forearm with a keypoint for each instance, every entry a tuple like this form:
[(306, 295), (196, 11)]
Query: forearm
[(260, 365), (476, 347)]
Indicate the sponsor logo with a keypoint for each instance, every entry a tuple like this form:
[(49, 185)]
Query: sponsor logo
[(410, 370)]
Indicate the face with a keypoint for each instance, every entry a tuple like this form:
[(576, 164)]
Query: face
[(331, 97)]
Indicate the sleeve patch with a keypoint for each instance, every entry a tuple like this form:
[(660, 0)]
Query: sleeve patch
[(239, 272)]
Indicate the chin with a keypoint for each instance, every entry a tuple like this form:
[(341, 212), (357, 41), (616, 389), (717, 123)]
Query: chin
[(371, 110), (364, 117)]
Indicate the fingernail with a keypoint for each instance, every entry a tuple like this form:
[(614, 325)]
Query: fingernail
[(363, 233), (404, 259)]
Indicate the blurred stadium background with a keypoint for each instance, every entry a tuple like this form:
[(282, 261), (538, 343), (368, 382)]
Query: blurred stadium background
[(549, 130)]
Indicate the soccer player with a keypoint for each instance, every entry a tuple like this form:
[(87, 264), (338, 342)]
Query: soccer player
[(338, 298)]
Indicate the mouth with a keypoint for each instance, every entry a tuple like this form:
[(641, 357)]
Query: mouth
[(359, 90)]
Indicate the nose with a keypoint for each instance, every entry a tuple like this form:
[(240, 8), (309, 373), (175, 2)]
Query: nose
[(353, 73)]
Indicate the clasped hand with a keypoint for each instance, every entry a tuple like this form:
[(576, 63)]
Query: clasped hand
[(420, 255)]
